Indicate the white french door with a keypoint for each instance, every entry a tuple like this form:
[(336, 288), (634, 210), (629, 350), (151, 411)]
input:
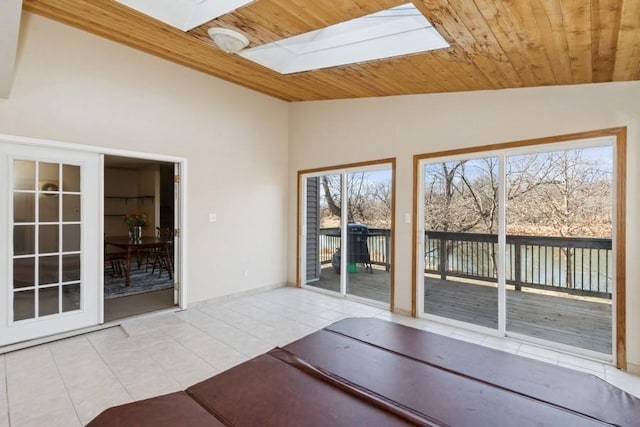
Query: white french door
[(50, 229)]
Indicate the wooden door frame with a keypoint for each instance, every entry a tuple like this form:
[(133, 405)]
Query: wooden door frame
[(390, 161), (620, 152)]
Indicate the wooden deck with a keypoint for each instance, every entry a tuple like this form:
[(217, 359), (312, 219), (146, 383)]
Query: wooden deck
[(363, 284), (579, 322)]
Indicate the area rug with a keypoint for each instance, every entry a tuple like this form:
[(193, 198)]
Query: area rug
[(141, 282)]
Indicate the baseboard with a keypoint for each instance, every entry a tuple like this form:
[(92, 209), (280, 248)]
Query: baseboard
[(633, 368), (402, 312), (235, 295)]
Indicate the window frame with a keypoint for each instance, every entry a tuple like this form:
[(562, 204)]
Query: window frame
[(581, 139)]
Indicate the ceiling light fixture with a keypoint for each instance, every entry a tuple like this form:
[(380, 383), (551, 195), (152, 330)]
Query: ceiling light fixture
[(228, 40)]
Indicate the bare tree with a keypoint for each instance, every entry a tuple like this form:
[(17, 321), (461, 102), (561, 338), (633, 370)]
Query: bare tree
[(446, 201), (561, 193), (332, 187), (576, 202), (368, 200)]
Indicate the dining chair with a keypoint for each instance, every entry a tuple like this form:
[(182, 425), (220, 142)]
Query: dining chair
[(162, 256), (114, 262)]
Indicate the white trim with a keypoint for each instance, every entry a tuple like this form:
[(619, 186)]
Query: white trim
[(344, 231), (502, 246), (101, 248), (182, 239), (614, 252), (50, 143), (420, 241)]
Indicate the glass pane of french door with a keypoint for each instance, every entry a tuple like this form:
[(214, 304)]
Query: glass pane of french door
[(559, 236), (322, 229), (369, 235), (46, 239), (461, 241)]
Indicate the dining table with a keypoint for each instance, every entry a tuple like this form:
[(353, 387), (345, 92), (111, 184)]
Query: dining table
[(136, 246)]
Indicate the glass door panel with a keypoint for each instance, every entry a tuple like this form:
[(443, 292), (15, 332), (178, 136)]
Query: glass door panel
[(559, 231), (346, 243), (368, 226), (40, 269), (322, 230), (461, 241)]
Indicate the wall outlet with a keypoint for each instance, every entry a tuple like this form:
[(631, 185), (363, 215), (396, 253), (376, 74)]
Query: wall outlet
[(407, 218), (213, 217)]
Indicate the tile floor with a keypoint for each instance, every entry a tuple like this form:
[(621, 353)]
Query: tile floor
[(68, 382)]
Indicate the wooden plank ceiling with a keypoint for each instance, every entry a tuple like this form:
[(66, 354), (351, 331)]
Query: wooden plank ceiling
[(495, 44)]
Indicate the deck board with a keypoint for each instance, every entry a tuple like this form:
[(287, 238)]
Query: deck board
[(574, 321)]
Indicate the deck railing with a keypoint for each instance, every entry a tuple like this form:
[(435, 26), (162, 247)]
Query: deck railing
[(575, 265)]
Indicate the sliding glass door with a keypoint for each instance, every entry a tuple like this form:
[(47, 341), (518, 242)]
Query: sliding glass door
[(521, 242), (346, 231)]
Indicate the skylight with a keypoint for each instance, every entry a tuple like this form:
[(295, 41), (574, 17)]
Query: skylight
[(401, 30), (184, 14)]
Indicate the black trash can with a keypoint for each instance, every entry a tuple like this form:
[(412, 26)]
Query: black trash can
[(358, 249)]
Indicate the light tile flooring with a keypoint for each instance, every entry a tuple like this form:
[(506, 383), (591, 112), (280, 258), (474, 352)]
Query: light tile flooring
[(68, 382)]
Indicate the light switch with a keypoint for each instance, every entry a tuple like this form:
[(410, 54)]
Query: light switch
[(212, 217), (407, 218)]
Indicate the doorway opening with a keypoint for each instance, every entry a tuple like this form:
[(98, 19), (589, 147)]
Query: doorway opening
[(139, 236)]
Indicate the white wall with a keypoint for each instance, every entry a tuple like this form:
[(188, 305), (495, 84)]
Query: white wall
[(337, 132), (74, 87)]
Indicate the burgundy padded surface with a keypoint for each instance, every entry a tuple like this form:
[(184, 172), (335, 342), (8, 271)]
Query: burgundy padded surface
[(175, 410), (581, 392), (265, 391), (368, 372), (447, 397)]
